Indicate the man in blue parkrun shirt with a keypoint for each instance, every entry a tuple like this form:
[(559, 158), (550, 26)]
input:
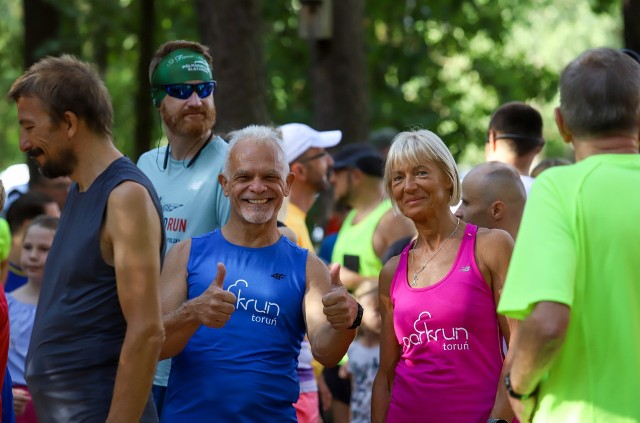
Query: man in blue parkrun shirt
[(185, 172), (237, 301)]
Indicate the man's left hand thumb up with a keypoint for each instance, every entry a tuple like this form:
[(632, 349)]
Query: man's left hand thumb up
[(340, 307)]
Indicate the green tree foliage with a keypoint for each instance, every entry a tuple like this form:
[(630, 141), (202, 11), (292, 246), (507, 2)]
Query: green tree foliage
[(443, 65)]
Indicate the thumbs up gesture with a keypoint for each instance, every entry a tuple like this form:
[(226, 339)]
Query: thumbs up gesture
[(340, 307), (214, 306)]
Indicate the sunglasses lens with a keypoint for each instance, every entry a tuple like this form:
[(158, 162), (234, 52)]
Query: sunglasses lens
[(184, 91), (181, 91), (205, 89)]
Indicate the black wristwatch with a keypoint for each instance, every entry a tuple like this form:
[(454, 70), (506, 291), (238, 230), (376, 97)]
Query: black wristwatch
[(514, 394), (358, 320), (497, 421)]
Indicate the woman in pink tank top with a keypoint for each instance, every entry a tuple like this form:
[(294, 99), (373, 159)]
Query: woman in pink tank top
[(441, 343)]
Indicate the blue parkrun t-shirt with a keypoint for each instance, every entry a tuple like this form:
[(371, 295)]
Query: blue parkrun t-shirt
[(246, 370)]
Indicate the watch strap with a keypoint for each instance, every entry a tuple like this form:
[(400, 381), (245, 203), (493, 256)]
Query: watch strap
[(358, 319)]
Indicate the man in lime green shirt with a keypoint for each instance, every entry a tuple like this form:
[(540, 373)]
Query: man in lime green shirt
[(574, 276)]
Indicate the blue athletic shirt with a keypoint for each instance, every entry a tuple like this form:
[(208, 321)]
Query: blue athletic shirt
[(245, 371)]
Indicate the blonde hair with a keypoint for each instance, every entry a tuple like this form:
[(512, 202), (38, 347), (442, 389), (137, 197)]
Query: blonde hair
[(415, 148)]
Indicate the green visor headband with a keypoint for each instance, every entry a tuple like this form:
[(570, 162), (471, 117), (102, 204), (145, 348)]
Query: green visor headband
[(177, 67)]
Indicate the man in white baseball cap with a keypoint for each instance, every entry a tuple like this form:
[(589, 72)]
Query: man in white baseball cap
[(304, 148), (299, 139), (310, 162)]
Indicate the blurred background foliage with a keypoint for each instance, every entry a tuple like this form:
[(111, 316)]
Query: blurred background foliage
[(441, 65)]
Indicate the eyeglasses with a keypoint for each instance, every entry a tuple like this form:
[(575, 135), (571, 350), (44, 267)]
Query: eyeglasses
[(314, 157), (184, 91)]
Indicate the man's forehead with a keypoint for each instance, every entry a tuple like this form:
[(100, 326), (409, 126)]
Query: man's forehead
[(471, 184)]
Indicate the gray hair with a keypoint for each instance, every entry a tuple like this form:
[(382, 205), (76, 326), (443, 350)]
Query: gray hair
[(600, 93), (260, 135), (417, 147)]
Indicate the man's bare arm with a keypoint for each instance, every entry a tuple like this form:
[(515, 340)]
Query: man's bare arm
[(535, 346), (391, 228), (131, 241), (329, 311)]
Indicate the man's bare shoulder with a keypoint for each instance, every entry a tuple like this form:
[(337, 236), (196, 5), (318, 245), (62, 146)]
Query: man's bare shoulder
[(129, 194), (316, 264)]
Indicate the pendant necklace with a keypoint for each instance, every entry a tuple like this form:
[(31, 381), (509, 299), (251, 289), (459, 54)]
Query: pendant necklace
[(414, 282)]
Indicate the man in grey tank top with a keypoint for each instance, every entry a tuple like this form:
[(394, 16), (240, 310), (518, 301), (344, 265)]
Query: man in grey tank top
[(98, 330)]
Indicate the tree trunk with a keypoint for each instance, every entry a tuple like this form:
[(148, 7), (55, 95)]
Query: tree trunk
[(339, 74), (41, 26), (631, 20), (233, 32), (144, 110)]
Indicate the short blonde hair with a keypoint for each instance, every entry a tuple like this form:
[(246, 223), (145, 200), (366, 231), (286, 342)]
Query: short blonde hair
[(415, 148)]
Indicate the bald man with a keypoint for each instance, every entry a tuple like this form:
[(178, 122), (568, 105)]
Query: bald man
[(493, 197)]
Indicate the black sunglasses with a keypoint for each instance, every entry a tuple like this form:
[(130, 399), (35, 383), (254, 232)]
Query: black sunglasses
[(314, 157), (184, 91)]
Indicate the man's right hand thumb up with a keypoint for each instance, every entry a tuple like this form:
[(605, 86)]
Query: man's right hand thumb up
[(214, 306)]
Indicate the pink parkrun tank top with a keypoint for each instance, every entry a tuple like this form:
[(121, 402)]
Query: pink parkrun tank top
[(451, 357)]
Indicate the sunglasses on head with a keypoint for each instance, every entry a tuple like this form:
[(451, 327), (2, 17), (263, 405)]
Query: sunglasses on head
[(184, 91)]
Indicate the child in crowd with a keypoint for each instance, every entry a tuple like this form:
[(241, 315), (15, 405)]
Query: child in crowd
[(364, 353), (22, 309)]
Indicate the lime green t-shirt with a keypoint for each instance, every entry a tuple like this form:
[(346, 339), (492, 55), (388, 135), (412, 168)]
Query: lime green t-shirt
[(355, 242), (579, 245), (5, 239)]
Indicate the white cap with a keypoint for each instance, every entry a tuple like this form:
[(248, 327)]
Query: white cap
[(299, 137)]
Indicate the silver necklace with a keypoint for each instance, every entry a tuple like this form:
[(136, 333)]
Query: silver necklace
[(414, 282)]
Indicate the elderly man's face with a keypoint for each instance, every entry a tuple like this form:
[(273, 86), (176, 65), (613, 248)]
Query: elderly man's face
[(256, 184)]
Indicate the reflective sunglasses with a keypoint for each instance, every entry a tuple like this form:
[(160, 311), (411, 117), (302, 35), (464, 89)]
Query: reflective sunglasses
[(184, 91)]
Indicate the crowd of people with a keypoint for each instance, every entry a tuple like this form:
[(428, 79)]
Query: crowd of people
[(186, 287)]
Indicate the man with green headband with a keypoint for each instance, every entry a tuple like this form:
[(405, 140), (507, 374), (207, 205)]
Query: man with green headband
[(185, 172)]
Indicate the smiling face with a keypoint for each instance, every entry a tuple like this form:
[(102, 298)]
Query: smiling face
[(43, 140), (192, 117), (256, 183), (418, 188), (35, 249)]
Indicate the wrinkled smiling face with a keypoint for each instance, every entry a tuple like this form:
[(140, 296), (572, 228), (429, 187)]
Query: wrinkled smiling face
[(256, 186), (44, 141), (419, 188)]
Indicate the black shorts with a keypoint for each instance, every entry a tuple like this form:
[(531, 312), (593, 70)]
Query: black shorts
[(78, 397), (340, 388)]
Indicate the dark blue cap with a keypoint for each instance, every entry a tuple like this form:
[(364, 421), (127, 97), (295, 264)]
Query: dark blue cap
[(360, 156)]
